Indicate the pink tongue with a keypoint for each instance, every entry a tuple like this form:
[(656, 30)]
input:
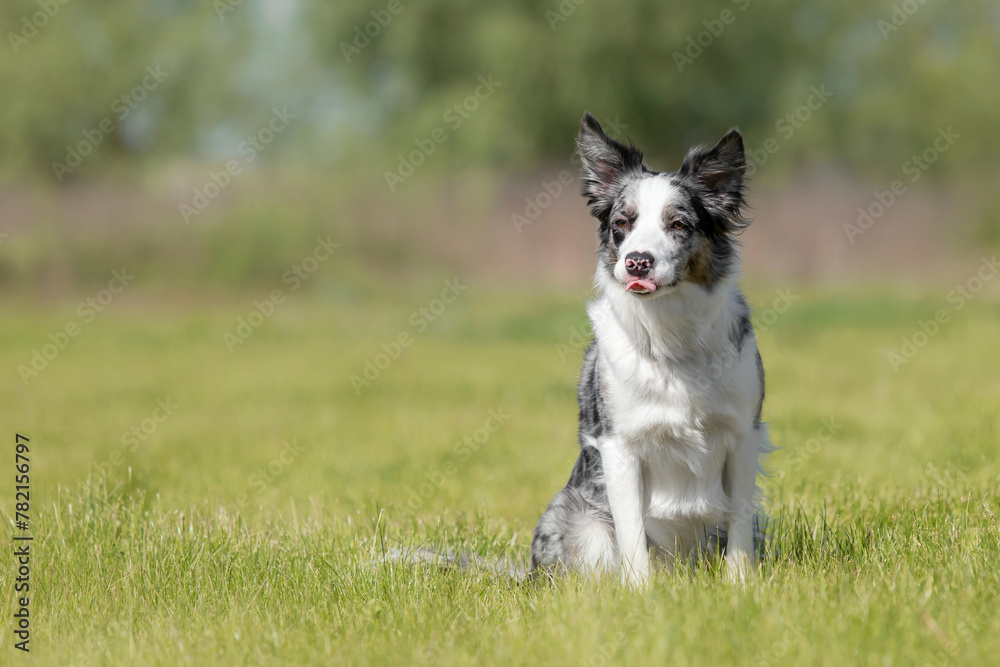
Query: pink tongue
[(636, 284)]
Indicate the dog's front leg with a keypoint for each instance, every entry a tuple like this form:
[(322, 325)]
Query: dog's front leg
[(741, 481), (623, 476)]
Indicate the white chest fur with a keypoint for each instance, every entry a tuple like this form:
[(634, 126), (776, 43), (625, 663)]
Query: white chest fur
[(680, 398)]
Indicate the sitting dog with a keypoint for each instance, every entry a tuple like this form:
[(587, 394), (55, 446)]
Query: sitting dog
[(672, 386)]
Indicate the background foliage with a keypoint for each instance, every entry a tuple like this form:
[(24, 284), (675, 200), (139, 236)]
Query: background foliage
[(897, 71)]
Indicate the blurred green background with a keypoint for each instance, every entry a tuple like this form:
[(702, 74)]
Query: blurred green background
[(429, 136)]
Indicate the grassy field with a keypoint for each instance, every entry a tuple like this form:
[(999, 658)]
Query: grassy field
[(196, 505)]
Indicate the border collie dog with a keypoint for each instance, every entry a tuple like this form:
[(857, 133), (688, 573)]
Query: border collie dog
[(672, 386)]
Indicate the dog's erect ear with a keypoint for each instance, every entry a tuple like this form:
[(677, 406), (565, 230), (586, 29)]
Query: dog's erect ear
[(720, 170), (605, 163)]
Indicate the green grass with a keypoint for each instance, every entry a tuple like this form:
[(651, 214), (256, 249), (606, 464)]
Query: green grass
[(886, 545)]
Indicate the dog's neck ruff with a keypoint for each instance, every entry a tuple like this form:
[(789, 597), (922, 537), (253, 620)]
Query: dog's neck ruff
[(689, 319)]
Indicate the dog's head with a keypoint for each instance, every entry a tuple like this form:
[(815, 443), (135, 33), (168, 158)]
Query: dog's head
[(659, 229)]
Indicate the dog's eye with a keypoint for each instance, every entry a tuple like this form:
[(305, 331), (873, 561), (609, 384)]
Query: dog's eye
[(679, 225), (621, 223)]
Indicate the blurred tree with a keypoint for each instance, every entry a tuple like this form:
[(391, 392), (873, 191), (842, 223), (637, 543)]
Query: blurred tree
[(385, 74), (678, 73), (114, 78)]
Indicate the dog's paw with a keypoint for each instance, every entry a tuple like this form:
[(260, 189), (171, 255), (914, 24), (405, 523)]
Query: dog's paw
[(738, 568), (635, 579)]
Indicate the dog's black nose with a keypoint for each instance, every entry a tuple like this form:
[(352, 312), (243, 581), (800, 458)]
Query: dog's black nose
[(638, 264)]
